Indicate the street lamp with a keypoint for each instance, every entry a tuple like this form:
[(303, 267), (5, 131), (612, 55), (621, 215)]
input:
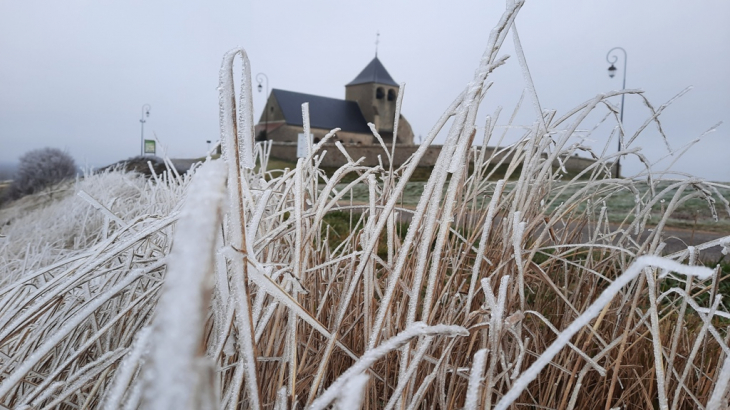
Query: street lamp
[(611, 73), (260, 77), (145, 113)]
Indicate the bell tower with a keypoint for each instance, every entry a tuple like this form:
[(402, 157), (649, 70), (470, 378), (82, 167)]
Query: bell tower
[(375, 91)]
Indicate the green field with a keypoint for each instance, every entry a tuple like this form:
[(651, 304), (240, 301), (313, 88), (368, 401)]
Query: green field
[(694, 213)]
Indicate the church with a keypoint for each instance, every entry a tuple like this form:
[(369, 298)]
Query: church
[(369, 98)]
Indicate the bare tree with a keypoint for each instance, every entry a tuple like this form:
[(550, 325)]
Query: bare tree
[(39, 169)]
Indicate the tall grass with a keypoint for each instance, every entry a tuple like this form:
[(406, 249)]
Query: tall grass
[(226, 290)]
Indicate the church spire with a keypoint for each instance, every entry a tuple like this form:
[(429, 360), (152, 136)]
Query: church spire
[(377, 41)]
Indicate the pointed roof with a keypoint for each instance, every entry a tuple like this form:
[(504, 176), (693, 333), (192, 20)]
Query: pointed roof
[(374, 73)]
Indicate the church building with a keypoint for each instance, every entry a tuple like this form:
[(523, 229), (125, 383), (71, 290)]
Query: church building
[(369, 98)]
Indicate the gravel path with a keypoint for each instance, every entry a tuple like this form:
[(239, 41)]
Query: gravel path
[(679, 239)]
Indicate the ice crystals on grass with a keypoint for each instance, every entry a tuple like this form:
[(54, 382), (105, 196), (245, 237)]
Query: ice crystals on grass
[(352, 394), (126, 371), (726, 246), (371, 356), (475, 379), (79, 302), (591, 312), (173, 378)]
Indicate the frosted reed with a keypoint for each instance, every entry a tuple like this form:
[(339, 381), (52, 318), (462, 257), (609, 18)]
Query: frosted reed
[(238, 285)]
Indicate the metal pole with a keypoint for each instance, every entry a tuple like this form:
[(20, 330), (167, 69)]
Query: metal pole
[(621, 111), (145, 110), (260, 77)]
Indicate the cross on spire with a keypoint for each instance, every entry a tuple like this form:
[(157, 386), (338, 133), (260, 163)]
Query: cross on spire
[(377, 41)]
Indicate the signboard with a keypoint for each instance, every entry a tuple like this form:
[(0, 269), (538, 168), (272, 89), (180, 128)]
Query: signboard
[(303, 144), (149, 147)]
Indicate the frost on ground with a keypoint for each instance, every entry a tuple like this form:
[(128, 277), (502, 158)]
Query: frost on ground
[(51, 226), (235, 287)]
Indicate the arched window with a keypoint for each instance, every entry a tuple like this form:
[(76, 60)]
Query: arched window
[(391, 95), (380, 93)]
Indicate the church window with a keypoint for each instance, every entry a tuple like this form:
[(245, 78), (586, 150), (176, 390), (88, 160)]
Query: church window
[(379, 93), (391, 95)]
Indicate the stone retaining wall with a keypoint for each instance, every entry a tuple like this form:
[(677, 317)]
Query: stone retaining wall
[(334, 158)]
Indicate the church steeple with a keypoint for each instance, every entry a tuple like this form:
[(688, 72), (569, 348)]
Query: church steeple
[(377, 42), (375, 92)]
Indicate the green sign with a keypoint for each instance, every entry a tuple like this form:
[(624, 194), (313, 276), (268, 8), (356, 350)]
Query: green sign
[(149, 147)]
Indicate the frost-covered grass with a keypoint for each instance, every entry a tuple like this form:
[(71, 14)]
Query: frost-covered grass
[(222, 288), (55, 224), (691, 214)]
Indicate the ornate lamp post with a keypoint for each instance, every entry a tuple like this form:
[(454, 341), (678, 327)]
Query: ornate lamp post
[(145, 113), (260, 77), (611, 73)]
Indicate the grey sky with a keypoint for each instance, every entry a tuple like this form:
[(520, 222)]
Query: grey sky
[(75, 74)]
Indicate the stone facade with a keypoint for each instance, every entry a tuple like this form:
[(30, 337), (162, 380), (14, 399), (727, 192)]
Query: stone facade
[(289, 133), (334, 158), (378, 103)]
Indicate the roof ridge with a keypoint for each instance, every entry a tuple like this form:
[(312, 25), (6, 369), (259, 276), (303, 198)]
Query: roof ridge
[(374, 72), (308, 94)]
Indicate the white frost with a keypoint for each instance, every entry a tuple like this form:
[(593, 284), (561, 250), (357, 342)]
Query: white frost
[(173, 379), (591, 312)]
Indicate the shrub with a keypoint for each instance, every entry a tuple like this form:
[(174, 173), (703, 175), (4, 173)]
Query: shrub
[(39, 169)]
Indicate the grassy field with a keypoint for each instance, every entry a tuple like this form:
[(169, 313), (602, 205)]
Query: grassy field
[(694, 213), (233, 288)]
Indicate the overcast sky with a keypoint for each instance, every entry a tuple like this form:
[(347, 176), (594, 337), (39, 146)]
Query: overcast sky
[(75, 74)]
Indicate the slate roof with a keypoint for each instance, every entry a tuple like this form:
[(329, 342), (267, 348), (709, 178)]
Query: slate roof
[(324, 112), (374, 73)]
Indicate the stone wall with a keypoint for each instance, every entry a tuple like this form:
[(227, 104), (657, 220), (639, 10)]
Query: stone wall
[(288, 134), (334, 158), (575, 164)]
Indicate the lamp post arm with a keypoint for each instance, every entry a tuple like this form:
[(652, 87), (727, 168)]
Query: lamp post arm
[(612, 60), (260, 77)]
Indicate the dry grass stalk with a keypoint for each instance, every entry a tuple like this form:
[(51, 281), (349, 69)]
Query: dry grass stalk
[(494, 295)]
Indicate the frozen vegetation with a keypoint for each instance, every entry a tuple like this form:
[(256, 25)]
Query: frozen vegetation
[(225, 288)]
